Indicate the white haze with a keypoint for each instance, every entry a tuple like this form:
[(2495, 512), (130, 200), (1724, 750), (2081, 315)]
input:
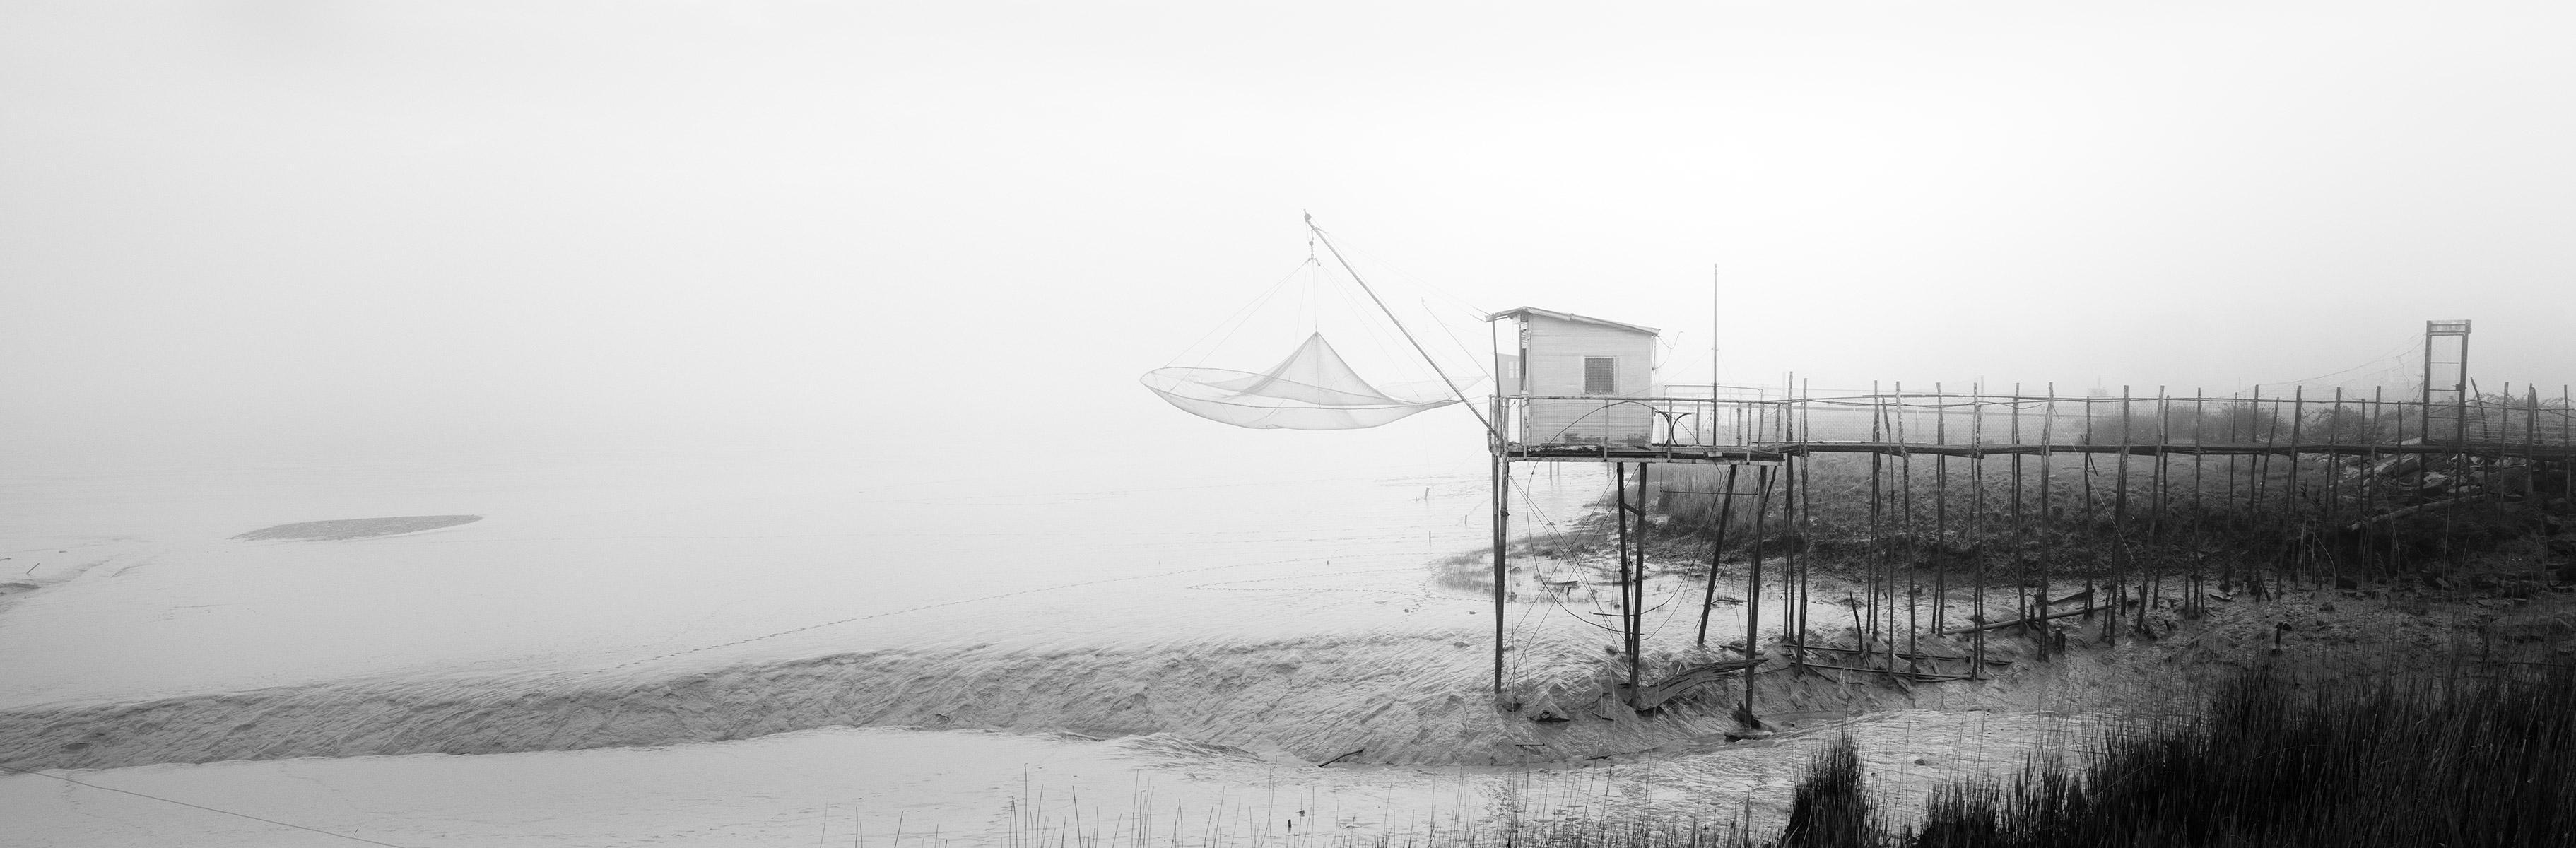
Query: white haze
[(761, 332), (245, 232)]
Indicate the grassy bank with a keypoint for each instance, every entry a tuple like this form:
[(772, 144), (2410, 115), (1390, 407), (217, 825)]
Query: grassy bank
[(2273, 762), (2269, 760)]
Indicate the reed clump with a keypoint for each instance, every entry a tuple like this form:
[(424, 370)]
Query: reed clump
[(2273, 762), (1830, 807)]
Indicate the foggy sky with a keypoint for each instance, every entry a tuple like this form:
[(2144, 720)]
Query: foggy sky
[(262, 227)]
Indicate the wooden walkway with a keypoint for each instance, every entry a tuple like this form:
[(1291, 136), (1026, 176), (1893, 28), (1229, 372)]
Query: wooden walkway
[(1974, 425), (1777, 451)]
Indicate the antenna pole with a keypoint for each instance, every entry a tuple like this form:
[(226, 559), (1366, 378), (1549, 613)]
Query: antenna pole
[(1715, 313), (1408, 334)]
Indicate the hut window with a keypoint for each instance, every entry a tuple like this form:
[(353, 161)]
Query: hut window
[(1600, 375)]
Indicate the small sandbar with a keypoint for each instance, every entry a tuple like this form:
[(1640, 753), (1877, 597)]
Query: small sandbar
[(356, 528)]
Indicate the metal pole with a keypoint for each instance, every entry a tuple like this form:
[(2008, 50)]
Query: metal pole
[(1502, 540), (1715, 314)]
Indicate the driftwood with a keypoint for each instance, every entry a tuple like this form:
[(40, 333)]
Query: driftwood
[(1999, 625), (1906, 654), (1899, 674), (2079, 596), (2395, 514), (1653, 695)]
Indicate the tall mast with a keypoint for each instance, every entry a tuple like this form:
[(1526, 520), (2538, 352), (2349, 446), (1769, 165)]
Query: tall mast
[(1715, 312)]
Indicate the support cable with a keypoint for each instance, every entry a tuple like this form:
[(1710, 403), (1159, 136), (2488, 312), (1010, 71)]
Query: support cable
[(1408, 334)]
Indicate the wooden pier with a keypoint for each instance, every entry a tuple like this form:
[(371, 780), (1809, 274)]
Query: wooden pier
[(2128, 465)]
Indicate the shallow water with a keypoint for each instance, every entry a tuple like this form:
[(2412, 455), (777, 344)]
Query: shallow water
[(1281, 610)]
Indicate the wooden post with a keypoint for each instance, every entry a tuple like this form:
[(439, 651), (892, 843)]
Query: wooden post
[(2016, 456), (1794, 566), (2255, 464), (1905, 491), (2088, 458), (2230, 476), (1753, 587), (2199, 506), (2272, 445), (2334, 475), (1940, 509), (1627, 580), (2290, 502), (2298, 421), (1717, 552), (1637, 590), (1976, 519), (1878, 550), (2531, 472), (2165, 447), (2047, 451), (2370, 483), (2047, 455), (1806, 515), (2199, 461), (2120, 478)]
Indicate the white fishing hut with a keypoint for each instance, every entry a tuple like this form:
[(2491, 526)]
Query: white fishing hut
[(1575, 379)]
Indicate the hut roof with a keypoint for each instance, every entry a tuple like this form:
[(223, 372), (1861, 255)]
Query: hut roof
[(1569, 316)]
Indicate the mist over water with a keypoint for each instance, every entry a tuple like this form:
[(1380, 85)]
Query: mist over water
[(761, 334), (586, 561)]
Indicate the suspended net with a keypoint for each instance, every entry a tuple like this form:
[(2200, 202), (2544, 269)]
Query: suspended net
[(1313, 389)]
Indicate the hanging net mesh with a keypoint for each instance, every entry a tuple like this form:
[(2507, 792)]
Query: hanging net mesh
[(1313, 389)]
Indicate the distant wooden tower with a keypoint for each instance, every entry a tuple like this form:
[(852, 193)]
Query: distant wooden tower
[(1578, 376)]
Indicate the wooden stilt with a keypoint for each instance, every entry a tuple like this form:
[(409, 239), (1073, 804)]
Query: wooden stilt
[(2371, 484), (2156, 529), (2199, 462), (2089, 441), (1877, 545), (2290, 488), (1629, 580), (1717, 551), (2255, 465), (1905, 491), (2047, 481), (2531, 474), (2120, 477), (1753, 586), (1976, 521), (2015, 438), (1806, 517), (1940, 509), (1637, 587)]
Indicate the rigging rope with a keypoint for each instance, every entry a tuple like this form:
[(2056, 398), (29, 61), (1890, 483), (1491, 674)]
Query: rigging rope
[(1234, 322), (1399, 326)]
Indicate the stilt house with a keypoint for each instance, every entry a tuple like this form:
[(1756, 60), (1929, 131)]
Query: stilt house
[(1574, 378)]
